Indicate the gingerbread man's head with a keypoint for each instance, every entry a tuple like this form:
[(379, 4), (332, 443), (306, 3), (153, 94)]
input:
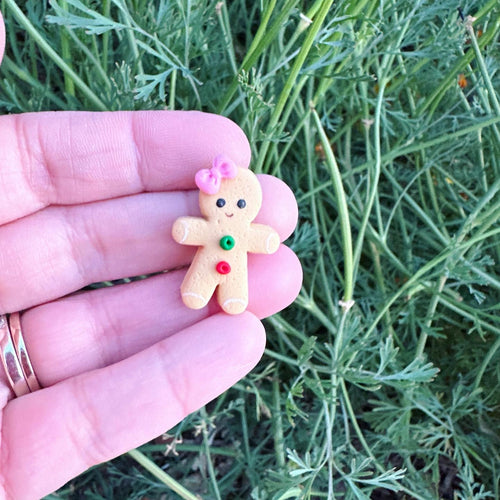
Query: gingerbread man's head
[(229, 194)]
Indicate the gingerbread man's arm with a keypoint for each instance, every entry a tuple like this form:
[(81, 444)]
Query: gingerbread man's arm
[(190, 231), (262, 239)]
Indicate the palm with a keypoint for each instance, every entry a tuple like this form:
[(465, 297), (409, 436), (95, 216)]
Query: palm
[(91, 197)]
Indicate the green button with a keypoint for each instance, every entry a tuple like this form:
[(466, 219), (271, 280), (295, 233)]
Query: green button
[(226, 242)]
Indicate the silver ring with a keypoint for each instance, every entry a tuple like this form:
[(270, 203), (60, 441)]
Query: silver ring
[(10, 361), (22, 353)]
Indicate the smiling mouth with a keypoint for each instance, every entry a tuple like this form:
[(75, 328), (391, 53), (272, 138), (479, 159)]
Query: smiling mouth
[(228, 215)]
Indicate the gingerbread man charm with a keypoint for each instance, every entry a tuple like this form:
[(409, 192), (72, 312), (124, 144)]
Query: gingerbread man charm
[(230, 199)]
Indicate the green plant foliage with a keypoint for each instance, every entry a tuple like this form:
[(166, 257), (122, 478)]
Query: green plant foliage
[(393, 395)]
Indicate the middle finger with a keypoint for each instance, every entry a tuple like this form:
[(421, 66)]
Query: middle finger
[(61, 249)]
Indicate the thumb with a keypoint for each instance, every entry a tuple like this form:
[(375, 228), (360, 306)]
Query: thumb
[(2, 37)]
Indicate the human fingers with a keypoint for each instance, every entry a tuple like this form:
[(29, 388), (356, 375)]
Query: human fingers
[(61, 249), (111, 324), (52, 435), (76, 157)]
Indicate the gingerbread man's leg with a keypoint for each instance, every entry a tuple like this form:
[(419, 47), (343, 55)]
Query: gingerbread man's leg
[(232, 294), (198, 287)]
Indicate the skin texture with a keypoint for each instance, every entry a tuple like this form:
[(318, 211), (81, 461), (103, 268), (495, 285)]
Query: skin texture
[(218, 222), (119, 365)]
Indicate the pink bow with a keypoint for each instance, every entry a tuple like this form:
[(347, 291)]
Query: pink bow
[(208, 180)]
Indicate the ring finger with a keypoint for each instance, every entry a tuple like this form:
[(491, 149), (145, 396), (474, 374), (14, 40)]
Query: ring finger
[(98, 328)]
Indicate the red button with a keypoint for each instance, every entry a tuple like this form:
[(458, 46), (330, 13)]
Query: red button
[(223, 267)]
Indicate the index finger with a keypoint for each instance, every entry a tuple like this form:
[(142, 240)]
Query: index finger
[(77, 157)]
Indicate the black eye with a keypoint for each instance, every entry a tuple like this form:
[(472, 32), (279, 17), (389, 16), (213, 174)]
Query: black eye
[(220, 202), (241, 203)]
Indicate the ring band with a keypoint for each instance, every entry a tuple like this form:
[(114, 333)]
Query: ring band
[(14, 356), (22, 353), (10, 360)]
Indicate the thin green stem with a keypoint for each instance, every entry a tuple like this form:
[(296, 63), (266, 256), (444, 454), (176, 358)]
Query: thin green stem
[(433, 100), (293, 75), (430, 316), (278, 436), (52, 54), (206, 448), (128, 20), (345, 225), (374, 179), (262, 38), (66, 55), (160, 474), (414, 146), (22, 75), (412, 285), (470, 314), (171, 94), (486, 361), (97, 65), (482, 66), (106, 10), (223, 18), (379, 276)]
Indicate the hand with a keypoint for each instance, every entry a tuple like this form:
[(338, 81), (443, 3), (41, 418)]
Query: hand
[(88, 197)]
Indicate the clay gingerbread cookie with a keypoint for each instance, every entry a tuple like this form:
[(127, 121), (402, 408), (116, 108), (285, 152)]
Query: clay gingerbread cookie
[(230, 199)]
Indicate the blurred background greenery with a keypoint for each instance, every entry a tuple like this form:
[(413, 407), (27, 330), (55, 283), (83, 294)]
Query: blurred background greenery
[(381, 380)]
